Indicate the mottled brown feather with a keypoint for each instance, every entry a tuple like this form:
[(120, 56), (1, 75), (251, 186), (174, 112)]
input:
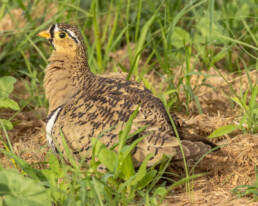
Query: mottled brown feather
[(92, 104)]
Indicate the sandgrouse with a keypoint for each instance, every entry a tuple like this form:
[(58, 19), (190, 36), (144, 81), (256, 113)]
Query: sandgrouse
[(83, 105)]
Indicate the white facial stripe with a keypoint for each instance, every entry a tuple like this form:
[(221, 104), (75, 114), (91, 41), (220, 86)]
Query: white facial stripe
[(73, 35), (56, 28)]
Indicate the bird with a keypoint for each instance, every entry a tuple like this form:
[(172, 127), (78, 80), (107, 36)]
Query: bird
[(83, 105)]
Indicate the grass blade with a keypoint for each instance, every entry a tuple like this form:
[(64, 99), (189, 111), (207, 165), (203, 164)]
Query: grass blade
[(223, 130)]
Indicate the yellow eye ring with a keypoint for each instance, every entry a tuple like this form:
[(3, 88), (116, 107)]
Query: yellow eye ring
[(62, 35)]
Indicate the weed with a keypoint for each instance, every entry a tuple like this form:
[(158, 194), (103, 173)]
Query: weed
[(247, 190)]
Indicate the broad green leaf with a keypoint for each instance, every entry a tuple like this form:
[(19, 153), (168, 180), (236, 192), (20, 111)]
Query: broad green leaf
[(105, 156), (8, 103), (54, 165), (206, 28), (147, 179), (180, 37), (50, 176), (125, 167), (18, 190), (6, 86), (161, 191), (7, 124), (125, 164), (142, 171), (223, 130), (126, 150)]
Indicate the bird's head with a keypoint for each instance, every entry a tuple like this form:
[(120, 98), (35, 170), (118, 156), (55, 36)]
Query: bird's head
[(63, 37)]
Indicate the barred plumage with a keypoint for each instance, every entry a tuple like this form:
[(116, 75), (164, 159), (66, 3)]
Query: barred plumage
[(83, 105)]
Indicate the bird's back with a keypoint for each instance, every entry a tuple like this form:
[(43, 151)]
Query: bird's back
[(104, 107)]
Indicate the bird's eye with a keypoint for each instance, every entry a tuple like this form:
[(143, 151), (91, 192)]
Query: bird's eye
[(62, 35)]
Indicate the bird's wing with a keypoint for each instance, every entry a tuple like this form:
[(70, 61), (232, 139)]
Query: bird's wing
[(89, 116), (92, 115)]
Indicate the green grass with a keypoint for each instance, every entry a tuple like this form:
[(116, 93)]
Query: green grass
[(184, 34)]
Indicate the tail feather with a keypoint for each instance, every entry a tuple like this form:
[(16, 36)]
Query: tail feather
[(160, 144), (197, 149)]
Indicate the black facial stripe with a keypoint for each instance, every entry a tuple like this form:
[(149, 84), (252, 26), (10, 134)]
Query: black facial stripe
[(51, 42), (74, 38), (51, 31)]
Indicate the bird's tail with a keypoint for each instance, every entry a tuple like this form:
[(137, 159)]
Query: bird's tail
[(160, 144)]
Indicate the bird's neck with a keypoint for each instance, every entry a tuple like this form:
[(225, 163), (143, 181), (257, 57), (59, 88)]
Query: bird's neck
[(65, 76)]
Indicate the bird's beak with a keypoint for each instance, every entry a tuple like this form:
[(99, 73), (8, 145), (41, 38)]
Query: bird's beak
[(44, 34)]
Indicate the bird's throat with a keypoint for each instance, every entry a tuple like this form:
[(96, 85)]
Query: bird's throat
[(62, 79)]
